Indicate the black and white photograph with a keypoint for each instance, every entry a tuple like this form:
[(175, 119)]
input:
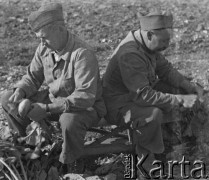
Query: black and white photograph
[(104, 89)]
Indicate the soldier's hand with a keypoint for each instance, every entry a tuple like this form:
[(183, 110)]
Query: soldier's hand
[(37, 112), (17, 96), (188, 101), (199, 90)]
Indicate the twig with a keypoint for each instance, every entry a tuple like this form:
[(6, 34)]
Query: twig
[(17, 173), (6, 165), (27, 167), (14, 168), (23, 170), (6, 175), (4, 143)]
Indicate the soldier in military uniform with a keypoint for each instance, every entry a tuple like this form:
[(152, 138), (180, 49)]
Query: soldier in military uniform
[(70, 69), (140, 80)]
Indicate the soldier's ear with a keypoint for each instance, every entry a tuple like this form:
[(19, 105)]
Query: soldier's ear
[(149, 35)]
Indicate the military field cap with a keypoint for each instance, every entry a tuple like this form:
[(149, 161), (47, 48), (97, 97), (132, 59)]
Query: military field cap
[(46, 14), (156, 20)]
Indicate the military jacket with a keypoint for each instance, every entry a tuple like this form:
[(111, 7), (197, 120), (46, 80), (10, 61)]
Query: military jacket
[(133, 71), (72, 79)]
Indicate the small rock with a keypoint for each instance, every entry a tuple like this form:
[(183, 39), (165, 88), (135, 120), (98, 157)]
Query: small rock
[(89, 27), (75, 15), (20, 20), (102, 6), (104, 40), (205, 31), (200, 27), (106, 23), (186, 21), (9, 78)]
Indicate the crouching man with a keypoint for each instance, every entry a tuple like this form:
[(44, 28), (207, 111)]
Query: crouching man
[(70, 70), (141, 81)]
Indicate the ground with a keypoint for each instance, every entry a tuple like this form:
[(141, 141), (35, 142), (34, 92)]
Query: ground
[(103, 24)]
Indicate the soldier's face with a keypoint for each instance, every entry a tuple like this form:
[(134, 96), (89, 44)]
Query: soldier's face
[(160, 39), (49, 38)]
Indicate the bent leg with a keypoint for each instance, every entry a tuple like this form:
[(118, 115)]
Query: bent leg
[(74, 126), (17, 123), (146, 136), (174, 124)]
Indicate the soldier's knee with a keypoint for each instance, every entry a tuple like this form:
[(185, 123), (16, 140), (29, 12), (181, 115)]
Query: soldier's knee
[(157, 113), (70, 121), (156, 116)]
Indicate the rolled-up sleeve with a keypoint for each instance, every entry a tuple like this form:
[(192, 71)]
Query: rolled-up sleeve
[(86, 74), (34, 78), (135, 77)]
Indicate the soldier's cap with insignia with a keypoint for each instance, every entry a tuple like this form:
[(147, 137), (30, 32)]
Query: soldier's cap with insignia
[(156, 20), (46, 14)]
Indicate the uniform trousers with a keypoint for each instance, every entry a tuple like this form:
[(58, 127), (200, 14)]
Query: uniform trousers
[(148, 137)]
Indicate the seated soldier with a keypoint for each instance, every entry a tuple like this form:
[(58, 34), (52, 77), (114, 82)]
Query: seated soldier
[(140, 80), (73, 94)]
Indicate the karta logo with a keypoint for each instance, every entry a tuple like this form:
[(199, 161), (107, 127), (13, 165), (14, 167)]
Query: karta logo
[(163, 170), (197, 169)]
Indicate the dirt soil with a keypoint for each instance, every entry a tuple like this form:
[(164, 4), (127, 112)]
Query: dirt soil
[(104, 24)]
